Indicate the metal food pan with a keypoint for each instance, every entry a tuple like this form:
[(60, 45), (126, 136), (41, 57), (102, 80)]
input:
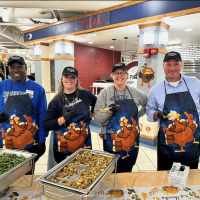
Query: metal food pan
[(7, 178), (58, 193), (46, 178)]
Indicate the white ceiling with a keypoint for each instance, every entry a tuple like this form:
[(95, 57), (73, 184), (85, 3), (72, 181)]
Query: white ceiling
[(103, 39), (86, 6)]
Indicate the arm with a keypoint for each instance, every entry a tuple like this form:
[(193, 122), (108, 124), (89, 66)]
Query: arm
[(100, 118), (93, 102), (152, 108), (41, 111), (52, 121), (143, 102)]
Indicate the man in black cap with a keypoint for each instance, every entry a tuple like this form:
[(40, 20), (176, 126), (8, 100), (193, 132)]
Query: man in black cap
[(175, 102), (22, 110)]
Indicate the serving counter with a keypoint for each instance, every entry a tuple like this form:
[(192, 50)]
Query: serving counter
[(135, 185)]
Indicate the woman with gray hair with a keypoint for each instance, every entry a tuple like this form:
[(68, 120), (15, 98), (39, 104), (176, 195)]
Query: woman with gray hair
[(117, 111), (69, 116)]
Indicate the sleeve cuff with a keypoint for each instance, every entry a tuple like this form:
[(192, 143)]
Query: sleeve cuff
[(151, 118), (42, 139)]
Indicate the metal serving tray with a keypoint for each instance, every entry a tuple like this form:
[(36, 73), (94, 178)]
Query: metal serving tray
[(45, 179), (57, 193), (7, 178)]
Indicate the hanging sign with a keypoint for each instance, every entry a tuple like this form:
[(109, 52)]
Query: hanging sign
[(94, 21)]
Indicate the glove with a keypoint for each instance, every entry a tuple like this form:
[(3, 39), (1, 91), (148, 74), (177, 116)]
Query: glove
[(68, 114), (161, 115), (2, 117), (114, 107), (39, 150)]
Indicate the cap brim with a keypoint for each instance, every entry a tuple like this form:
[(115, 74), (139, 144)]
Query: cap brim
[(119, 68), (172, 58), (68, 73), (9, 63)]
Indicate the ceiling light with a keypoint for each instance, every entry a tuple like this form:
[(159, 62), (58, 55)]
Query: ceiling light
[(17, 51), (188, 29), (5, 15), (112, 47), (90, 42), (69, 36)]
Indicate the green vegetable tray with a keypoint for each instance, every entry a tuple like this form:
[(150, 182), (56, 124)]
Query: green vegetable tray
[(20, 163)]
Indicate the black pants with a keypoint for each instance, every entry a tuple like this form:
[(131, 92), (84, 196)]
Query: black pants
[(163, 164), (120, 169)]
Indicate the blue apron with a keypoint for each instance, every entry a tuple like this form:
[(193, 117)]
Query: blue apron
[(179, 138), (123, 132), (20, 130), (74, 135)]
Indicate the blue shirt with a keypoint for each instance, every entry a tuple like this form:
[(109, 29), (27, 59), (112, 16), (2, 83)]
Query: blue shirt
[(156, 97), (38, 98)]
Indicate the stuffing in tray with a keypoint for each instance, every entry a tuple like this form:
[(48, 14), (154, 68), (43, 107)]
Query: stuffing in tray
[(97, 164)]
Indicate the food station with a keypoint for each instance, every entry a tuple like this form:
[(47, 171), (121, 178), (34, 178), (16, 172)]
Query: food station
[(91, 174)]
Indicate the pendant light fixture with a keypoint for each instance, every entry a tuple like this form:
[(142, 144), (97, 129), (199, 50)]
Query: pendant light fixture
[(126, 38), (112, 47)]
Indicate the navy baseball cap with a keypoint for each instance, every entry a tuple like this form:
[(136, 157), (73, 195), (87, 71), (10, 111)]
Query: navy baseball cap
[(71, 71), (119, 65), (172, 55), (16, 59)]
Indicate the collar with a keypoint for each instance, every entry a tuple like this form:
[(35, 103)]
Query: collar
[(166, 81)]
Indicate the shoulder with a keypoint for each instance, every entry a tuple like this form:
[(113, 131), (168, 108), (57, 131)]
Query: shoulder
[(4, 83), (54, 102), (191, 79), (86, 93), (107, 90), (34, 86), (159, 86)]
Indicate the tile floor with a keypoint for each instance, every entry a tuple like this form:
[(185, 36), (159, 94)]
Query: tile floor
[(146, 161)]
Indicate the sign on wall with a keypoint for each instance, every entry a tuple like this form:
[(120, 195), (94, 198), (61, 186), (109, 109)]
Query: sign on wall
[(52, 70), (95, 21)]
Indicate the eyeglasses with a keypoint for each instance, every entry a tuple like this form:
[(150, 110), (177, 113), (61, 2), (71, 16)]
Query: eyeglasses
[(120, 73)]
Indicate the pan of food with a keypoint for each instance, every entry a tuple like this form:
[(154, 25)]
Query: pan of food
[(81, 174), (14, 163)]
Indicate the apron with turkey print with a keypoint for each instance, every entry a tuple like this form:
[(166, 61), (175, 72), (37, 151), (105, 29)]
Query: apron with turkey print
[(123, 132), (74, 135), (179, 136), (20, 130)]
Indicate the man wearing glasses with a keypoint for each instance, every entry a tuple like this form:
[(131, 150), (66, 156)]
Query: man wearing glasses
[(117, 111), (175, 102)]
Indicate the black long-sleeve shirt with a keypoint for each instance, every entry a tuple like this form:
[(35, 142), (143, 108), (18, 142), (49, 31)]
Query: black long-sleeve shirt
[(55, 108)]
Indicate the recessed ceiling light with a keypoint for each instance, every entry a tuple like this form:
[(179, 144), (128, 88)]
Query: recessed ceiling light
[(90, 42), (188, 29), (112, 47)]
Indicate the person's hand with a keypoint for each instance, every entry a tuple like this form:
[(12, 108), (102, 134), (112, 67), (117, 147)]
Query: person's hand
[(162, 116), (39, 150), (68, 114), (113, 107), (101, 136), (2, 117)]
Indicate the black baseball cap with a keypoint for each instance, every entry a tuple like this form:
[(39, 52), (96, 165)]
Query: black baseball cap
[(16, 59), (71, 71), (172, 55), (119, 65)]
